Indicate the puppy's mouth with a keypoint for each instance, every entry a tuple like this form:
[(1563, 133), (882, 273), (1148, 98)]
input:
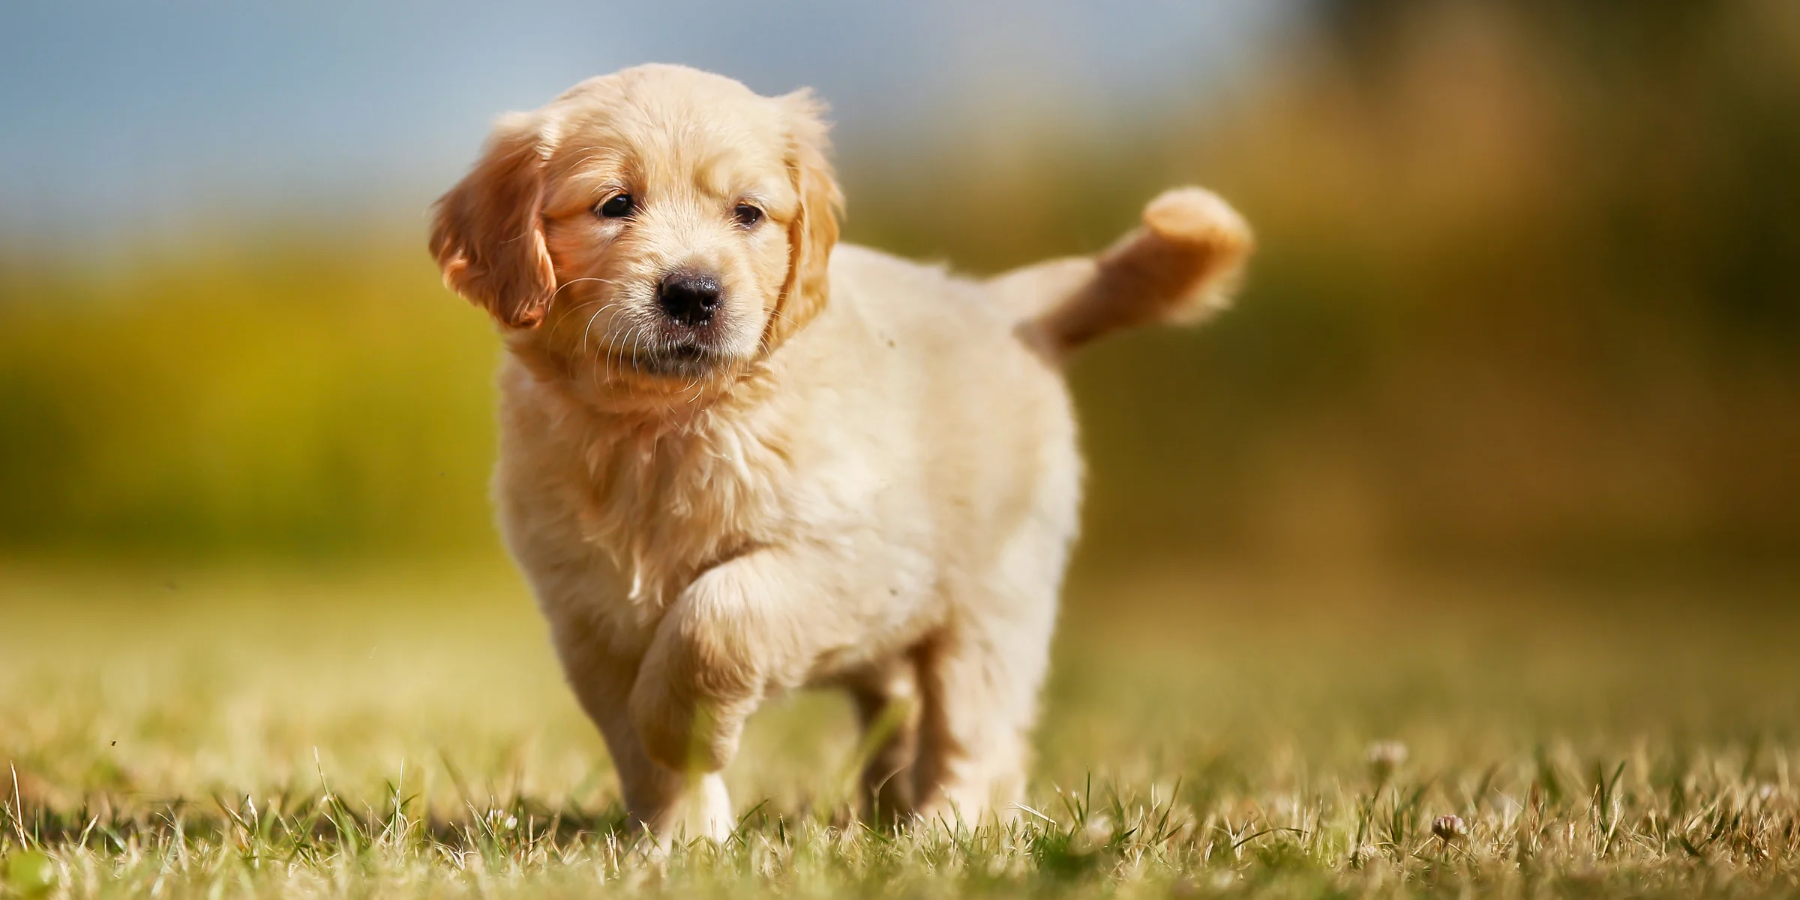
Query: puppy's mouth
[(682, 360)]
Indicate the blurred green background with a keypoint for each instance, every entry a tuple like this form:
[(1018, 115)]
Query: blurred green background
[(1528, 292)]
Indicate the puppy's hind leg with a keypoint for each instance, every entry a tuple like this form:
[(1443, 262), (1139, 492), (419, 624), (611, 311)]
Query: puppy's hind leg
[(887, 711), (979, 682)]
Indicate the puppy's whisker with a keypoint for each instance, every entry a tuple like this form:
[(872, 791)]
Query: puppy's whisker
[(581, 280), (585, 303), (637, 343), (588, 330), (774, 315), (600, 304)]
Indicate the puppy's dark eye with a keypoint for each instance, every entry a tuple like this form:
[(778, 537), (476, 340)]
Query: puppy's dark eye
[(618, 206), (747, 215)]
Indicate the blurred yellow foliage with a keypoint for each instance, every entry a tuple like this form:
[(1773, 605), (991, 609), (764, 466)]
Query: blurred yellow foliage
[(298, 401), (1528, 288)]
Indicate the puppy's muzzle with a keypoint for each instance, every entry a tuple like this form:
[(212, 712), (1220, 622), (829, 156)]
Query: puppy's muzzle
[(689, 298)]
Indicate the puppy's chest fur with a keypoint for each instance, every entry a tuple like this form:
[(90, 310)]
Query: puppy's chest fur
[(667, 502), (616, 514)]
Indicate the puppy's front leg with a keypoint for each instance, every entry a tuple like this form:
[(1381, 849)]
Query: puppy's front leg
[(665, 802), (719, 646)]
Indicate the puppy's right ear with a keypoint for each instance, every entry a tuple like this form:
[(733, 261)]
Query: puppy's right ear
[(488, 232)]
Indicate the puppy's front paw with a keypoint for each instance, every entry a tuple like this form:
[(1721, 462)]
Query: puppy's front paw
[(683, 731), (694, 690)]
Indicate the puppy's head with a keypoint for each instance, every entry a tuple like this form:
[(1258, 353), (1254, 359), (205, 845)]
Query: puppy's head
[(654, 227)]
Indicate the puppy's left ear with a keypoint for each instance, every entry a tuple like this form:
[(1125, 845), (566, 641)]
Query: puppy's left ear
[(814, 230)]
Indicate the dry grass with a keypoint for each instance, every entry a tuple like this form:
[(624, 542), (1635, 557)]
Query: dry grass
[(245, 735)]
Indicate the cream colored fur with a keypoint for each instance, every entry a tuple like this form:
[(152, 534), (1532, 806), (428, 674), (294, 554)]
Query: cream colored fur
[(867, 478)]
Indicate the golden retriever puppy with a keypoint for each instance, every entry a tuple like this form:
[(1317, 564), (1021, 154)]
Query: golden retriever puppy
[(737, 457)]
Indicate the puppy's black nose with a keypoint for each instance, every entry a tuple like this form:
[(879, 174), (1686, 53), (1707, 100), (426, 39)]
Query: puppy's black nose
[(689, 297)]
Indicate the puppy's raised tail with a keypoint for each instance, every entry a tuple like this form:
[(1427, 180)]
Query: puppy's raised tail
[(1181, 266)]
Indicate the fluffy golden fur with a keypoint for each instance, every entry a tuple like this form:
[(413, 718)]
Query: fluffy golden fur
[(856, 471)]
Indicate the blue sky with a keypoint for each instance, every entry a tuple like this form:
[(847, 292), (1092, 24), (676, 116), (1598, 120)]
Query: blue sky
[(120, 116)]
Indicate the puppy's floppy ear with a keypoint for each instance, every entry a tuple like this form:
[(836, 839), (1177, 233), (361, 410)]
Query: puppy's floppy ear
[(815, 228), (488, 233)]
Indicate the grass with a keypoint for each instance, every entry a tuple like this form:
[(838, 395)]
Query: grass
[(252, 734)]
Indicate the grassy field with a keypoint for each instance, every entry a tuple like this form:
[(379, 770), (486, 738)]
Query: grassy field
[(405, 733)]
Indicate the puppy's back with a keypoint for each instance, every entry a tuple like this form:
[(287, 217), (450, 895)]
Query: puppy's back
[(990, 417)]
